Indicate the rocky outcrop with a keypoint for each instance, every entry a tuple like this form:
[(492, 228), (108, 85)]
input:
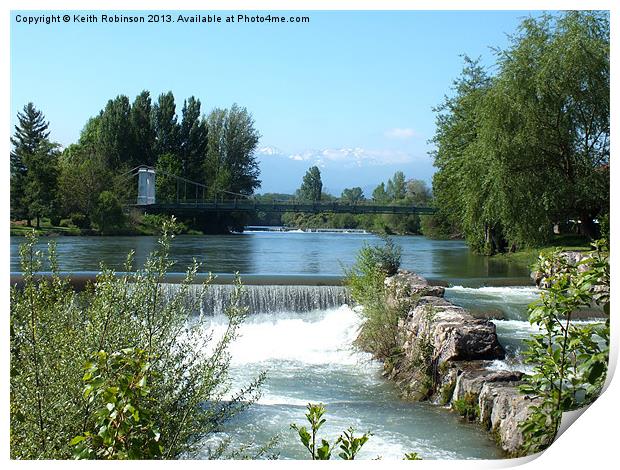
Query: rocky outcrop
[(445, 357), (567, 259), (404, 284)]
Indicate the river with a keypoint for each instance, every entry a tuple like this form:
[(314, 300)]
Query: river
[(301, 335), (284, 253)]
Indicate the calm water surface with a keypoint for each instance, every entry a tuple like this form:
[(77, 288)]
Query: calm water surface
[(280, 253)]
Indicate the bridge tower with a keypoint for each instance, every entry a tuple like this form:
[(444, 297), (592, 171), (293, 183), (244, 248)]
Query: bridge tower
[(146, 186)]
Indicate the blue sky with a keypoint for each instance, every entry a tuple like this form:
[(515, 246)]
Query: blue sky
[(352, 92)]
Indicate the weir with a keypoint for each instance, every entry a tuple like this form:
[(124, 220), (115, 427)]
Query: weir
[(267, 299)]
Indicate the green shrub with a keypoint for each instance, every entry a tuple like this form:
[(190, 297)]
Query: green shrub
[(467, 406), (54, 330), (569, 359), (117, 389), (366, 281), (108, 214), (79, 220)]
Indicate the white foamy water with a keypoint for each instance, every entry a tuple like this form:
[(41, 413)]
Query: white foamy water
[(323, 337), (501, 302), (308, 357)]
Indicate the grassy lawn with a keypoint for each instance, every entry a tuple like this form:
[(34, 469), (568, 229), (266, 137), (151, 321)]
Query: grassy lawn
[(144, 227), (19, 228), (528, 256)]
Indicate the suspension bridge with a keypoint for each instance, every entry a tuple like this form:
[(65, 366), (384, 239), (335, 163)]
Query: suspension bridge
[(193, 198)]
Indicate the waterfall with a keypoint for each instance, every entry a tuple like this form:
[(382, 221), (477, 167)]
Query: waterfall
[(269, 299)]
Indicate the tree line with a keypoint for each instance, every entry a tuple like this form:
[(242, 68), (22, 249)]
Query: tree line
[(398, 190), (526, 149), (85, 182)]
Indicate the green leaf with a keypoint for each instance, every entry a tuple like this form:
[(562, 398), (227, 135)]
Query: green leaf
[(77, 440)]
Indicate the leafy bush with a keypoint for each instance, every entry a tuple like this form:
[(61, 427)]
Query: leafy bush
[(366, 281), (569, 359), (386, 257), (348, 444), (79, 220), (124, 426), (108, 214), (54, 330)]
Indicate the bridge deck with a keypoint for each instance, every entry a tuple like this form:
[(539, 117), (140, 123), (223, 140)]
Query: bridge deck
[(250, 206)]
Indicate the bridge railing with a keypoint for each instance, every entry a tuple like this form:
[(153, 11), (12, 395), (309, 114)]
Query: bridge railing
[(312, 207)]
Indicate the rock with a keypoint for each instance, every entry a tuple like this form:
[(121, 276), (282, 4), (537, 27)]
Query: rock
[(473, 376), (444, 356), (405, 284), (489, 314), (502, 409), (454, 333)]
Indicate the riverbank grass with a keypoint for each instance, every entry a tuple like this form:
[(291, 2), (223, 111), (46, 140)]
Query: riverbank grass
[(528, 256), (142, 225), (19, 228)]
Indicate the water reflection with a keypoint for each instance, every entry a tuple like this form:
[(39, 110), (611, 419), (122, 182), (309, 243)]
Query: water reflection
[(278, 253)]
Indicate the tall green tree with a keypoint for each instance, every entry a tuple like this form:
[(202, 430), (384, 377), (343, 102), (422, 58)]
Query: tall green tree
[(216, 175), (553, 95), (114, 138), (30, 132), (379, 194), (40, 183), (396, 187), (311, 186), (192, 140), (166, 185), (241, 139), (457, 126), (352, 195), (33, 167), (83, 176), (165, 125), (230, 165), (142, 135), (529, 147)]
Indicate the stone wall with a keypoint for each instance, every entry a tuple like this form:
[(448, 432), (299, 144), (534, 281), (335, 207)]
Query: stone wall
[(445, 354)]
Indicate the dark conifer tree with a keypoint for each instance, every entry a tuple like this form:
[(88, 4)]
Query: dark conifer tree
[(31, 133)]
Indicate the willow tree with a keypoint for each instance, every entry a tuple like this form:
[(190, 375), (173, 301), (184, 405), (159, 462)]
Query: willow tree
[(548, 124), (529, 147), (457, 185)]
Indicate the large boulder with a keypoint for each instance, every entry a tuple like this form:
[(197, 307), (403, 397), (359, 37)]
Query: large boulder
[(500, 406), (405, 285), (454, 333)]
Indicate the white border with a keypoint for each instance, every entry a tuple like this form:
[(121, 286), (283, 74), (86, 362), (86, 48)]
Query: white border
[(590, 443)]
